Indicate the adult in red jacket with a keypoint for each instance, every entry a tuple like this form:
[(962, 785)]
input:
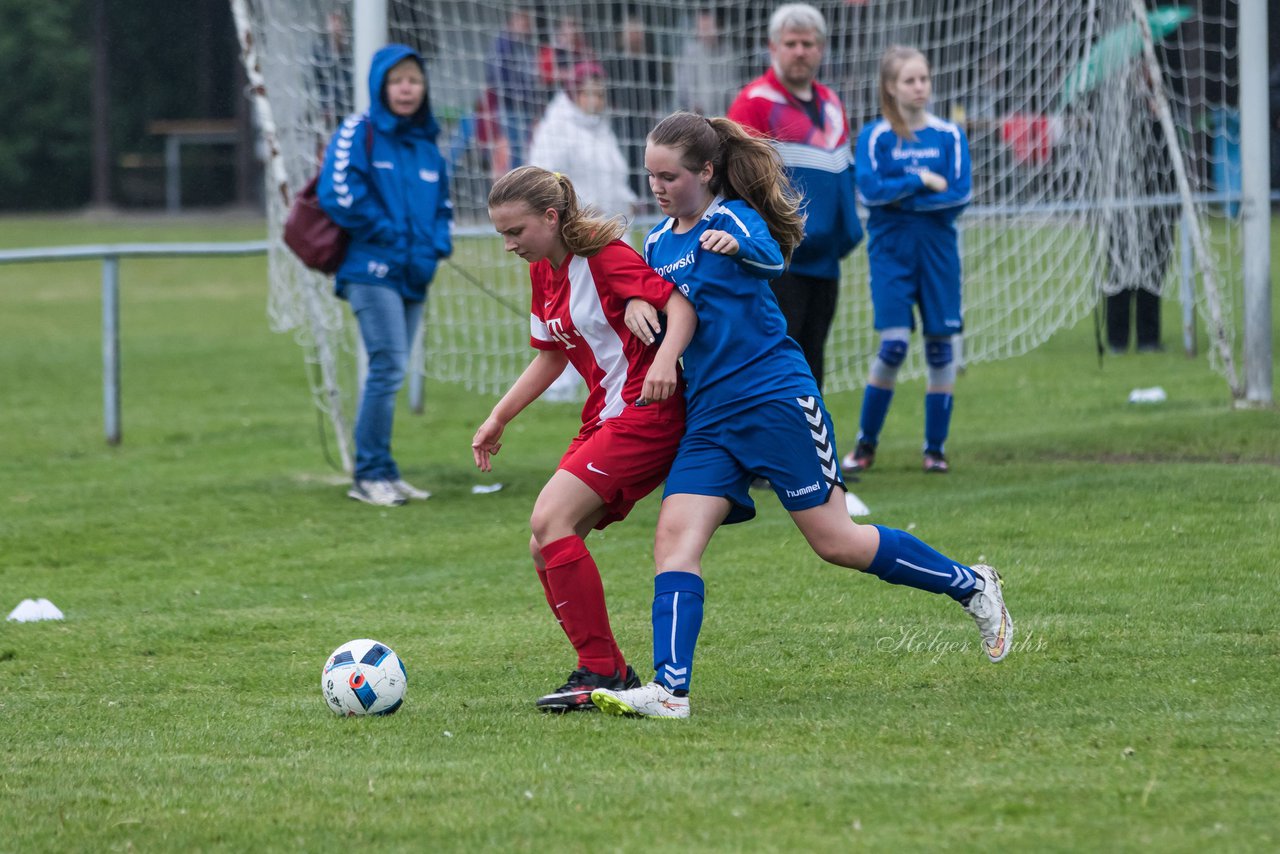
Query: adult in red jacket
[(806, 123)]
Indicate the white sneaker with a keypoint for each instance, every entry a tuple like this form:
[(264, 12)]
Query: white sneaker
[(378, 492), (989, 612), (647, 701), (408, 490)]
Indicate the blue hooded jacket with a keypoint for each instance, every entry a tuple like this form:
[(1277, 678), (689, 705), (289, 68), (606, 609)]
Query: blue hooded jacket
[(389, 190)]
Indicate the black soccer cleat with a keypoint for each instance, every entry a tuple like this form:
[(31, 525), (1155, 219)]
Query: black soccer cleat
[(575, 695), (859, 459)]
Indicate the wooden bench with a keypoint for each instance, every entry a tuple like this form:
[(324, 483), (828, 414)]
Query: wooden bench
[(180, 132)]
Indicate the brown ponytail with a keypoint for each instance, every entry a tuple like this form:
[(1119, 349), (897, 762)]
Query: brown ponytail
[(743, 167)]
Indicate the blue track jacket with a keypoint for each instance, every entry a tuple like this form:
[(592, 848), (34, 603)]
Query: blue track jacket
[(391, 196)]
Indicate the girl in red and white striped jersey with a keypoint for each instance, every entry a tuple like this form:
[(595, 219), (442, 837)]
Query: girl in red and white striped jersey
[(582, 276)]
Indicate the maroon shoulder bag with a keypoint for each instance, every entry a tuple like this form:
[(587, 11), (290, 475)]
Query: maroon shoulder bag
[(317, 240)]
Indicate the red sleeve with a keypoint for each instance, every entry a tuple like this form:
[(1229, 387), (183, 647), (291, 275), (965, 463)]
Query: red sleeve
[(751, 113), (547, 67), (829, 96), (538, 323), (629, 276)]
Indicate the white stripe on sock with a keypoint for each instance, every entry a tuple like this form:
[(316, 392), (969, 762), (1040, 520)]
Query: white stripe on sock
[(922, 569), (675, 619)]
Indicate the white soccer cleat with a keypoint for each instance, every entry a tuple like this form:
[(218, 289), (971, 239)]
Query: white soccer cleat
[(647, 701), (988, 610), (380, 493), (408, 490)]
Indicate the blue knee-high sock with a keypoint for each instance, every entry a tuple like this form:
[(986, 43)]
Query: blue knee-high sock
[(677, 619), (875, 408), (937, 420), (903, 559)]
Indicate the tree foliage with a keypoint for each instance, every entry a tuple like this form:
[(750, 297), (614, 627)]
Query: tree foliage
[(45, 63), (166, 61)]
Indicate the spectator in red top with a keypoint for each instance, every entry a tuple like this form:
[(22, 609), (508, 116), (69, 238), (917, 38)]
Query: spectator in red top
[(806, 123)]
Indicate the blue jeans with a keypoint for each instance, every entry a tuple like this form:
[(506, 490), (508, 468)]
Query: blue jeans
[(388, 323)]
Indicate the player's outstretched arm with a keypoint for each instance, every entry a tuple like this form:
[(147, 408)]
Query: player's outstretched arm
[(535, 379), (663, 377)]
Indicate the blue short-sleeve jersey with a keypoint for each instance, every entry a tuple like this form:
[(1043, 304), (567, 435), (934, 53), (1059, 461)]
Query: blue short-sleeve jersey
[(740, 353)]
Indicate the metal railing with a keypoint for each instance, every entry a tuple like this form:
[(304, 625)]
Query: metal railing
[(111, 255)]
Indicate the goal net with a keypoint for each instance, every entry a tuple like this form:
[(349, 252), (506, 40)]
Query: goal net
[(1104, 146)]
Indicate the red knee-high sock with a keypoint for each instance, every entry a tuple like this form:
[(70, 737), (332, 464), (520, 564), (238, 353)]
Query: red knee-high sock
[(577, 597), (551, 599)]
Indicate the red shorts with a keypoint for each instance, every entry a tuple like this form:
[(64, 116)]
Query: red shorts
[(628, 456)]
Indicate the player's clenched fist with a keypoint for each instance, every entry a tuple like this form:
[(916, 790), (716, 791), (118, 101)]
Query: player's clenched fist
[(720, 242)]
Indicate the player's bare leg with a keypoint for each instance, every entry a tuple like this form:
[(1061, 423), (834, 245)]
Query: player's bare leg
[(566, 506), (686, 524), (834, 536)]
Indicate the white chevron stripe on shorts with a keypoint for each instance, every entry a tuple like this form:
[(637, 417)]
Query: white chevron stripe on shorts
[(821, 439)]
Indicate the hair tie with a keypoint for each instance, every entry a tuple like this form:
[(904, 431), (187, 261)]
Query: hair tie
[(559, 177)]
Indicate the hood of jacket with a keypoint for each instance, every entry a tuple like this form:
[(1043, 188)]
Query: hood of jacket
[(563, 112), (423, 121)]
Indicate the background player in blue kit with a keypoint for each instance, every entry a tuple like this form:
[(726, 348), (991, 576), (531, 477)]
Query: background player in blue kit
[(752, 405), (912, 173)]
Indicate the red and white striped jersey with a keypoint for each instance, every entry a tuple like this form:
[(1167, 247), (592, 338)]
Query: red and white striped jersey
[(580, 309)]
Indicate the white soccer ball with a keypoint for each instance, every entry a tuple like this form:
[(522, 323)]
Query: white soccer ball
[(363, 677)]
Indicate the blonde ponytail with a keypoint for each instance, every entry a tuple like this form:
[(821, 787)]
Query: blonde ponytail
[(583, 230), (891, 62)]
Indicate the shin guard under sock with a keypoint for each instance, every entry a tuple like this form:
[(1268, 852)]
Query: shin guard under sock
[(574, 582), (904, 559), (677, 619)]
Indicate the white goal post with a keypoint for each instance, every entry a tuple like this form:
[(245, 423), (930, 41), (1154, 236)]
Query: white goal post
[(1072, 149)]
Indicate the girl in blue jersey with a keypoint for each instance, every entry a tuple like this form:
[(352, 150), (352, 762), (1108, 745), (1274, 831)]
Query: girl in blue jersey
[(753, 407), (912, 173)]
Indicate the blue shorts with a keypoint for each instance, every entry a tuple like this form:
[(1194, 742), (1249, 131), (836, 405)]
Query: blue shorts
[(791, 442), (916, 268)]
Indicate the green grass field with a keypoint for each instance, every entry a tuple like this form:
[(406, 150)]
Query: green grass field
[(209, 564)]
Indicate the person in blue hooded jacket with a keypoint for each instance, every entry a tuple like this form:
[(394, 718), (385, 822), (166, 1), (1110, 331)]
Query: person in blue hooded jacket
[(384, 181)]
